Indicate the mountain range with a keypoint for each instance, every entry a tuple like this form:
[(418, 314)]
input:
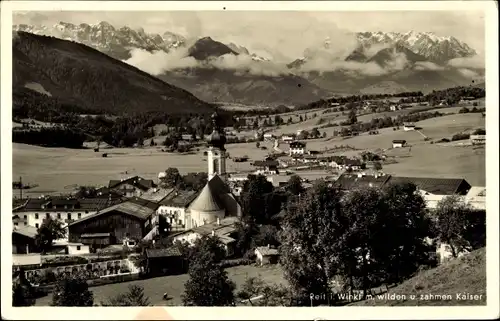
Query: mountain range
[(385, 62), (84, 77)]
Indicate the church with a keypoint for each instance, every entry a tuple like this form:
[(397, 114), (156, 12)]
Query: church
[(215, 201)]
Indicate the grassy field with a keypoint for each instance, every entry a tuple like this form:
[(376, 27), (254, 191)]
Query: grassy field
[(464, 275), (174, 285), (60, 170)]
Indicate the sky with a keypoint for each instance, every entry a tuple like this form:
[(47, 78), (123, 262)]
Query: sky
[(282, 35)]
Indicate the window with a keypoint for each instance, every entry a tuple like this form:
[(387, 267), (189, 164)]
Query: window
[(79, 215), (36, 216), (25, 217), (47, 215), (78, 247), (16, 224), (69, 216), (86, 212), (37, 225), (25, 223), (58, 216)]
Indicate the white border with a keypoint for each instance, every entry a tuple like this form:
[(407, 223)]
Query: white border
[(389, 313)]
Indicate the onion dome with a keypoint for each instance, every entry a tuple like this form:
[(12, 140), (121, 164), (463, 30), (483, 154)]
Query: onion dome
[(216, 138)]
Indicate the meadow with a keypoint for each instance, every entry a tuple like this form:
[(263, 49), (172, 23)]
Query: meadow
[(154, 288), (60, 170)]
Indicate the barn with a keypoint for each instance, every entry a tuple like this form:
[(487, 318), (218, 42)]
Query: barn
[(113, 225)]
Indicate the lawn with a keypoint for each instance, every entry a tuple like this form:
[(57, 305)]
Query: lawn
[(464, 275), (174, 285)]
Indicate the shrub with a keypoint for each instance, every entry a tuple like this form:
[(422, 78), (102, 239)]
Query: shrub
[(235, 262), (460, 136)]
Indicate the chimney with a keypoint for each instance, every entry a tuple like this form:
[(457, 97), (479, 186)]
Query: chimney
[(268, 246), (213, 232), (218, 221)]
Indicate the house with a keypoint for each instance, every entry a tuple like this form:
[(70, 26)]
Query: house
[(353, 164), (307, 159), (394, 107), (266, 255), (334, 104), (267, 166), (297, 148), (225, 229), (164, 261), (268, 136), (398, 143), (355, 181), (66, 209), (128, 220), (434, 189), (23, 240), (408, 126), (174, 206), (476, 197), (478, 139), (287, 138), (132, 186)]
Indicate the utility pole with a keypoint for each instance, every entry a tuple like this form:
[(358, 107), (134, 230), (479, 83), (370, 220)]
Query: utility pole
[(21, 187)]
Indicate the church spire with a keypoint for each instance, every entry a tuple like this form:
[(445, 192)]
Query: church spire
[(217, 138)]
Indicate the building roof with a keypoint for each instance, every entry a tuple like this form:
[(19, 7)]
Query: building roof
[(92, 235), (297, 144), (266, 163), (399, 141), (165, 252), (158, 194), (144, 202), (179, 198), (266, 251), (67, 204), (28, 231), (353, 181), (438, 186), (132, 208), (206, 201), (139, 182)]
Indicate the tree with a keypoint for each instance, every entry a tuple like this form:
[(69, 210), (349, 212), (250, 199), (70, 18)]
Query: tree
[(250, 289), (72, 291), (352, 119), (49, 231), (253, 198), (22, 291), (377, 166), (294, 185), (275, 295), (172, 177), (134, 297), (152, 143), (310, 239), (454, 218), (86, 191), (208, 283), (315, 133), (163, 226)]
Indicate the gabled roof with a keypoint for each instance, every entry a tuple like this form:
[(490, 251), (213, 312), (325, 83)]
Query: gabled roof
[(266, 163), (179, 198), (129, 207), (399, 141), (352, 181), (137, 181), (165, 252), (207, 201), (265, 251), (438, 186), (28, 231), (57, 203)]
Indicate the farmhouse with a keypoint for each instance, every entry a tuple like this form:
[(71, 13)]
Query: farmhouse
[(23, 240), (174, 206), (398, 143), (66, 209), (114, 224), (267, 166), (354, 181), (478, 139), (132, 186), (476, 197), (268, 136), (408, 127), (225, 229), (266, 255), (297, 148), (287, 138)]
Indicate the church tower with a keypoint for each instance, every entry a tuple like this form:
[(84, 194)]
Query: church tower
[(216, 154)]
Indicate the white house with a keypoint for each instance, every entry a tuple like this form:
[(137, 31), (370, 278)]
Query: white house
[(268, 136), (297, 148), (287, 138), (478, 139), (476, 197), (408, 127), (174, 207), (266, 255), (66, 209), (398, 143)]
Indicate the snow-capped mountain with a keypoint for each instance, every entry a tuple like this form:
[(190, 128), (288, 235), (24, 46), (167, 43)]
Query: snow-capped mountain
[(433, 47), (105, 37)]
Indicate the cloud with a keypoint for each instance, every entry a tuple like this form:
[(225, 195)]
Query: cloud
[(468, 73), (427, 65), (159, 62), (475, 62)]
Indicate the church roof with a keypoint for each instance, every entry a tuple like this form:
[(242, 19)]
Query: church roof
[(207, 200)]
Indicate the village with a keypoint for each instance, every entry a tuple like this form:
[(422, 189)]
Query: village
[(131, 228)]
